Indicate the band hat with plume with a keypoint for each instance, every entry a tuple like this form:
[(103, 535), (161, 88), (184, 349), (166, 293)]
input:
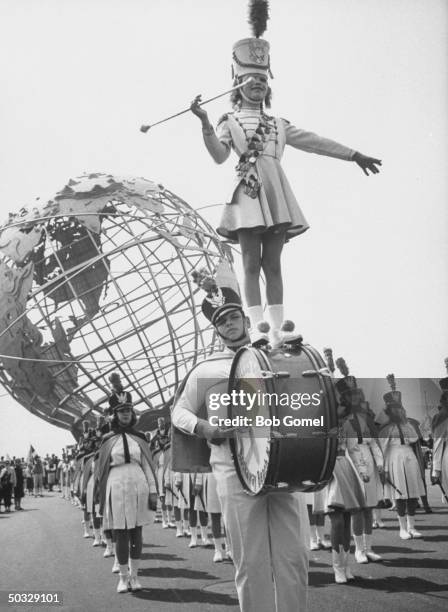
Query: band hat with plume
[(251, 55), (394, 396), (348, 383), (219, 300)]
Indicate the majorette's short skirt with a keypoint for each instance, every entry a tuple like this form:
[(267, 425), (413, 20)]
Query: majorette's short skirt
[(345, 490), (127, 494), (373, 490), (275, 208), (404, 472)]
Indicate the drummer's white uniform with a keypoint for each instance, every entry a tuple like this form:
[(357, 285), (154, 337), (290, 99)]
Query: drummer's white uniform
[(269, 534)]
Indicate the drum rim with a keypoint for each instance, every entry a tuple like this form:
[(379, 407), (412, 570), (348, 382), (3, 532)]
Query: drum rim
[(263, 363)]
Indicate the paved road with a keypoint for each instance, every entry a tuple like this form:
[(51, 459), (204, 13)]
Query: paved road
[(42, 549)]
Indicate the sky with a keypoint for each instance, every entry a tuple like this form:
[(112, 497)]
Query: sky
[(370, 277)]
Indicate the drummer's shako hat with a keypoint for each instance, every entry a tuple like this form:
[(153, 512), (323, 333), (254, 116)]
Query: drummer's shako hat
[(218, 300)]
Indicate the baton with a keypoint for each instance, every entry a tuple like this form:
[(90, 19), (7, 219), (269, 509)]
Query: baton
[(145, 128), (183, 496), (388, 480)]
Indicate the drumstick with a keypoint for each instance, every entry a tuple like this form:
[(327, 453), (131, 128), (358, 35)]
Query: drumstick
[(145, 128)]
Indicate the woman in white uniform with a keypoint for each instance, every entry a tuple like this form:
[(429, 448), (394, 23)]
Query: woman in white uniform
[(404, 484), (127, 490), (262, 212)]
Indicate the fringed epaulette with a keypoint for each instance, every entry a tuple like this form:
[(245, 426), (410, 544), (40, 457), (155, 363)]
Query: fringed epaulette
[(223, 118)]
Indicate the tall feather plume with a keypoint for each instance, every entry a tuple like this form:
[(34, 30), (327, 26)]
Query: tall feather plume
[(391, 380), (258, 16), (342, 366), (328, 353)]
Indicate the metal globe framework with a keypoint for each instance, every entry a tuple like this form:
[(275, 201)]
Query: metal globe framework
[(98, 279)]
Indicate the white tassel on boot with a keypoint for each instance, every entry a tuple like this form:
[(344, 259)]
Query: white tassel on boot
[(134, 583), (371, 556), (404, 534), (194, 537), (360, 555), (205, 540), (122, 586), (338, 566), (411, 527), (218, 556)]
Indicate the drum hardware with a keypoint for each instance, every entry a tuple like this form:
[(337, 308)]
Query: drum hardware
[(322, 372), (269, 374)]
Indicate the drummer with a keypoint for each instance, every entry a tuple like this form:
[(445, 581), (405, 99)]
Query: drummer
[(269, 535)]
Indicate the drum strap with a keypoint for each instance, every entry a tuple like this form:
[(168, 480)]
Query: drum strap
[(357, 427), (400, 431)]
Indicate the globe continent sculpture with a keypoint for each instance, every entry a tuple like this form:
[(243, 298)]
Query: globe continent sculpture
[(98, 279)]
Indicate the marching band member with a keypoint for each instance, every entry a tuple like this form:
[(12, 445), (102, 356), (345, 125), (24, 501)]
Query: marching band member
[(345, 491), (365, 452), (268, 533), (262, 213), (126, 487), (404, 483), (440, 435)]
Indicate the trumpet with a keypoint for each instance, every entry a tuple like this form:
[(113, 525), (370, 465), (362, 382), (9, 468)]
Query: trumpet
[(145, 128)]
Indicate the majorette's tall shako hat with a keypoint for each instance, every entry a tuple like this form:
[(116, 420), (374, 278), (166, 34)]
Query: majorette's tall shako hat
[(347, 386), (219, 300), (251, 55), (393, 396), (119, 397)]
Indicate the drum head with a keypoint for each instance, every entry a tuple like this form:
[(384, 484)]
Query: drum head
[(251, 448)]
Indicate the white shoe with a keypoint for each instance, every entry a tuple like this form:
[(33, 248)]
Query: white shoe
[(194, 537), (86, 534), (411, 527), (122, 586), (115, 566), (314, 545), (228, 554), (348, 571), (134, 584), (205, 540), (371, 556), (97, 538), (217, 557), (338, 566), (404, 534), (108, 552), (360, 556), (380, 524), (325, 543), (259, 335), (171, 525)]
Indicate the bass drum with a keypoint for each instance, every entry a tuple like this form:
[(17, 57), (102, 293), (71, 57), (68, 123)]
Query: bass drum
[(286, 405)]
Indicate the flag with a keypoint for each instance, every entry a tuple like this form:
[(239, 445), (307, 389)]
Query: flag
[(31, 454)]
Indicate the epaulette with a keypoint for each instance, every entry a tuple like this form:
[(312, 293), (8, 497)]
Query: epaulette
[(223, 118)]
